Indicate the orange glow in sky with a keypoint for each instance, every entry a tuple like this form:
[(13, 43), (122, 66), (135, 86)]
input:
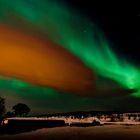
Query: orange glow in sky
[(41, 62)]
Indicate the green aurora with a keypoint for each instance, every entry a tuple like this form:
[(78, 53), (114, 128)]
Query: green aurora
[(76, 33)]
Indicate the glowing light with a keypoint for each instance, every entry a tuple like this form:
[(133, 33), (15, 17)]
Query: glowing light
[(5, 121)]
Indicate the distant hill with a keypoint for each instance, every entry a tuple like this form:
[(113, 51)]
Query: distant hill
[(86, 113)]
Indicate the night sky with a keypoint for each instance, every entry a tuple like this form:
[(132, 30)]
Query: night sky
[(61, 56), (119, 21)]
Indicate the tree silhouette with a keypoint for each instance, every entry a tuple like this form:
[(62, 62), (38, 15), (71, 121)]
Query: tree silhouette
[(9, 114), (2, 107), (21, 109)]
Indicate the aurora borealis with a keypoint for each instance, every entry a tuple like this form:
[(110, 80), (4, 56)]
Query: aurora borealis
[(41, 62), (51, 50)]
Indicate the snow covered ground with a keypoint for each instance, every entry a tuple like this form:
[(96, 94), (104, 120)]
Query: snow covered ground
[(109, 132)]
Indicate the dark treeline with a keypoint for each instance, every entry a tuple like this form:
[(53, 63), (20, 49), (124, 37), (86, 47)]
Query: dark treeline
[(22, 110), (18, 110), (86, 113)]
